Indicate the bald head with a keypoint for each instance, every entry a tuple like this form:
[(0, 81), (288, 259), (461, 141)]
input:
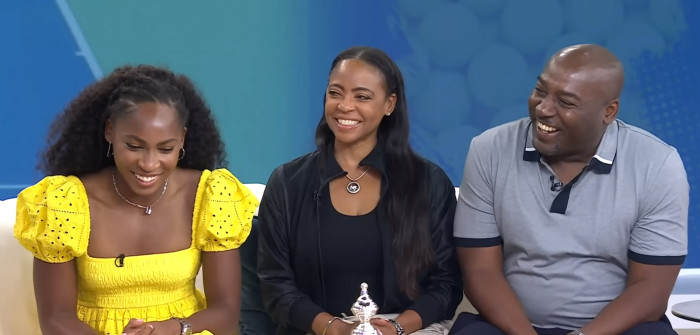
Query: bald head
[(577, 94), (591, 63)]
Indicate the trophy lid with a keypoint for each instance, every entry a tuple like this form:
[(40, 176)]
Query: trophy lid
[(364, 308)]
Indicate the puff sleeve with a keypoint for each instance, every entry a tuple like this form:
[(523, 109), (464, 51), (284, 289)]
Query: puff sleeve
[(225, 210), (53, 219)]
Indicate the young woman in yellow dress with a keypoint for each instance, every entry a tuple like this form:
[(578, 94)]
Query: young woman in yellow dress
[(132, 205)]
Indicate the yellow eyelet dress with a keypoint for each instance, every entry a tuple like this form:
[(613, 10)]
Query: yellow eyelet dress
[(53, 222)]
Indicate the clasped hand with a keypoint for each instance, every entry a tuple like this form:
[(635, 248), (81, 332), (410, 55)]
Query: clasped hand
[(139, 327), (340, 327)]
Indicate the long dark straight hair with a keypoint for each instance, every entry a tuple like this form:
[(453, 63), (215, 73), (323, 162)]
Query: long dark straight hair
[(406, 203)]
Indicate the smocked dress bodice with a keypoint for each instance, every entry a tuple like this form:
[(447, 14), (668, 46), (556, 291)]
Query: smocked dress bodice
[(53, 222)]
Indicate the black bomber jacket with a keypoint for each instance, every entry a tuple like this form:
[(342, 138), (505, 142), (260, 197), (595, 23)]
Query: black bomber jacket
[(289, 258)]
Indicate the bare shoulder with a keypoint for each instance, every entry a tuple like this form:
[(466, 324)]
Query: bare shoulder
[(97, 185), (187, 180)]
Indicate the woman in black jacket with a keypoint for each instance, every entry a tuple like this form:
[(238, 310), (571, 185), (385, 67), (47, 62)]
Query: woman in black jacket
[(363, 208)]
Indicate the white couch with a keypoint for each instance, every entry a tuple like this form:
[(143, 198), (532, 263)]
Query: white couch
[(18, 309)]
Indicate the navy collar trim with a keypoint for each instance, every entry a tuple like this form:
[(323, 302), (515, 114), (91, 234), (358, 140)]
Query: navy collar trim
[(603, 160)]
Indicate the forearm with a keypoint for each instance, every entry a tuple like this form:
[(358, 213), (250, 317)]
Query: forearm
[(410, 321), (493, 297), (321, 322), (639, 303), (424, 311), (222, 319), (65, 324)]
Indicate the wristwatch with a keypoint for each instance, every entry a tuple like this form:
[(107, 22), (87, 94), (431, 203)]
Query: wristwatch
[(576, 332), (186, 328)]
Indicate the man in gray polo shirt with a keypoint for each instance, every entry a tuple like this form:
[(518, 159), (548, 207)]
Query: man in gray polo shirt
[(571, 221)]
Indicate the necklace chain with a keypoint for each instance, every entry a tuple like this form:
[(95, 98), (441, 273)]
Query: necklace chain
[(147, 208), (353, 186), (358, 178)]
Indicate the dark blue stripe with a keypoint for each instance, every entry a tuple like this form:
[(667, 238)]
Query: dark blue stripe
[(478, 242), (656, 260)]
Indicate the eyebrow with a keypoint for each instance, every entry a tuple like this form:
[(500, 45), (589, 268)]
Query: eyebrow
[(564, 93), (356, 89), (134, 137)]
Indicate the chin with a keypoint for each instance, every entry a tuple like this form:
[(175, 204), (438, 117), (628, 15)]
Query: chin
[(546, 150), (347, 140), (146, 191)]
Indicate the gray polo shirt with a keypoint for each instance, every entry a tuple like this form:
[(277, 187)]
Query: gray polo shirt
[(566, 249)]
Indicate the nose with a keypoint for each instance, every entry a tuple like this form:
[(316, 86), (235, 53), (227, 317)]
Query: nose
[(545, 108), (149, 161), (346, 105)]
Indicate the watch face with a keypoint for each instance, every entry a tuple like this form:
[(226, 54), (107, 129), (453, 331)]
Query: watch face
[(186, 329)]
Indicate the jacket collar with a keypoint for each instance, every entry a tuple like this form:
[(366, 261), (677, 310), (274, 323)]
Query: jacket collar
[(332, 169), (603, 160)]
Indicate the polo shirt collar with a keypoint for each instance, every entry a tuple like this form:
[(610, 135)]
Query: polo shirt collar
[(603, 160)]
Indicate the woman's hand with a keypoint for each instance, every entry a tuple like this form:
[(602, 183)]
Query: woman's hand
[(340, 327), (167, 327), (137, 327), (384, 326)]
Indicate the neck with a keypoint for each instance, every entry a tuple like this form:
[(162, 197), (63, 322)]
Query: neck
[(582, 156), (127, 193), (568, 159), (350, 156)]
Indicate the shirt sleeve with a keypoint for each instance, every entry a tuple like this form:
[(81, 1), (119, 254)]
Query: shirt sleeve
[(226, 208), (660, 236), (285, 303), (475, 223), (442, 287), (53, 219)]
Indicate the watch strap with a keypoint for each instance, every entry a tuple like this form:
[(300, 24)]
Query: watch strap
[(185, 329), (399, 329)]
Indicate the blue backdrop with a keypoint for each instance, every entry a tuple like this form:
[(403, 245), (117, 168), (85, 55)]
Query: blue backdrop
[(469, 65)]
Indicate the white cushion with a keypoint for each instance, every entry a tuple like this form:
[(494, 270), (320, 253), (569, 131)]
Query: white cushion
[(17, 306)]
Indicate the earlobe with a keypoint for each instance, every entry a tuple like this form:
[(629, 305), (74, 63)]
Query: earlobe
[(392, 104)]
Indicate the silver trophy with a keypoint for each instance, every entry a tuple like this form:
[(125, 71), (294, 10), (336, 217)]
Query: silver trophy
[(364, 309)]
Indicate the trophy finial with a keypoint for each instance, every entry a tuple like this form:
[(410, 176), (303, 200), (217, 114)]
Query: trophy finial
[(364, 308)]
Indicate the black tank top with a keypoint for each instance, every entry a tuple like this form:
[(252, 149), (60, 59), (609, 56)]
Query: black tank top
[(351, 251)]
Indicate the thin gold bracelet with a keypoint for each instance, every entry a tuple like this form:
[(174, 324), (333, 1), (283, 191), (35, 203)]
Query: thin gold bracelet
[(329, 324)]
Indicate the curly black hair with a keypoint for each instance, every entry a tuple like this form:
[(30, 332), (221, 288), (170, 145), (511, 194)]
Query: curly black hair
[(76, 144)]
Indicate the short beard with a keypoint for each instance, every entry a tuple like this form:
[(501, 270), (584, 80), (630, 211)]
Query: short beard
[(553, 152)]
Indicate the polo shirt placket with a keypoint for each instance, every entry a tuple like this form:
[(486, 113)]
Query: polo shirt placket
[(601, 163)]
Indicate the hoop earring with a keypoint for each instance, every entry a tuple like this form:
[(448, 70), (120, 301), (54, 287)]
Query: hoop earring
[(183, 154), (108, 150)]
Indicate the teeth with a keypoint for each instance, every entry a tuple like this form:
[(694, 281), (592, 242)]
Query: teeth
[(546, 128), (145, 179), (347, 122)]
